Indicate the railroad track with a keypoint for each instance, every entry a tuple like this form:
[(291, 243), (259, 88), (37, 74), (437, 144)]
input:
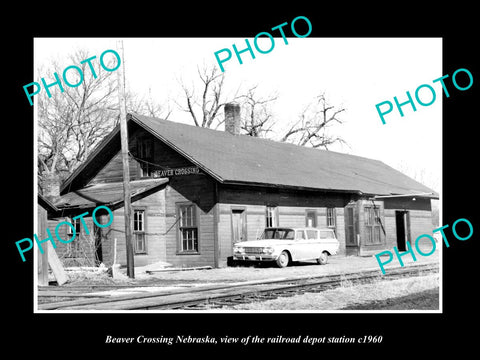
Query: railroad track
[(301, 286), (217, 296)]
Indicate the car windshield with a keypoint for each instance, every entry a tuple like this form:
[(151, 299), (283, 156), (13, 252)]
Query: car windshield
[(282, 234)]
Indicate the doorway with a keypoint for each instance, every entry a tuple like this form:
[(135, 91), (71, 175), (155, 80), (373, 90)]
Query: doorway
[(402, 222), (239, 225), (351, 239)]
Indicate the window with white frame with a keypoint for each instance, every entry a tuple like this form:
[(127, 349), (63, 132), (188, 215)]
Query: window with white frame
[(271, 216), (187, 228), (73, 247), (76, 224), (139, 241), (331, 217), (372, 225)]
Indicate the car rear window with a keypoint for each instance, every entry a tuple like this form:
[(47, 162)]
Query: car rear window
[(300, 235), (312, 234), (326, 234)]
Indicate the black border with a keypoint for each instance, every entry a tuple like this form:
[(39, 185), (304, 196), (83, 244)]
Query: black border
[(85, 333)]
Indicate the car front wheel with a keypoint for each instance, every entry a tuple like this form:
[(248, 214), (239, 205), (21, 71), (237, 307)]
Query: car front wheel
[(323, 259), (283, 259)]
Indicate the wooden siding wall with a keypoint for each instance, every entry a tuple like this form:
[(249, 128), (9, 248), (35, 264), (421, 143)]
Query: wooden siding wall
[(155, 228), (274, 196), (162, 154), (112, 172), (161, 227), (205, 221), (161, 224)]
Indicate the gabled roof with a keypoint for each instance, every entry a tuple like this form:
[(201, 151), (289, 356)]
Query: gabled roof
[(110, 194), (242, 159)]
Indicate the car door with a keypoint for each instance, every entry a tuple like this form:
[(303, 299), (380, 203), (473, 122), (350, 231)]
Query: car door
[(328, 240), (306, 244), (298, 247), (313, 247)]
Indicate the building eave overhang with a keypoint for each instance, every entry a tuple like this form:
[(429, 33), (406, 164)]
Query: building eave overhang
[(430, 195)]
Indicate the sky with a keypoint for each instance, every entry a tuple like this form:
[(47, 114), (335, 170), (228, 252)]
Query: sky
[(355, 73)]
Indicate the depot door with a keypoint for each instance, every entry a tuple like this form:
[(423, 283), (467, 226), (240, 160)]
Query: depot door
[(351, 238), (239, 225), (402, 222)]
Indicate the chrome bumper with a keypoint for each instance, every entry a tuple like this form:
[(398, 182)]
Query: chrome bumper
[(254, 257)]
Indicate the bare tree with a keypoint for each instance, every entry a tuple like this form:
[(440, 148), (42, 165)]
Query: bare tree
[(72, 122), (258, 119), (421, 174), (204, 106), (311, 127), (147, 106)]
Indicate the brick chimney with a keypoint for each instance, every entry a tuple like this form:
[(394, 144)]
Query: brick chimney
[(51, 187), (232, 118)]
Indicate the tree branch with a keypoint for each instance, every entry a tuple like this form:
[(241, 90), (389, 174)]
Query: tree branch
[(316, 117)]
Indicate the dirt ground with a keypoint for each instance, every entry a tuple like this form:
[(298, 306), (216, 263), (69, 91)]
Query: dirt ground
[(425, 300)]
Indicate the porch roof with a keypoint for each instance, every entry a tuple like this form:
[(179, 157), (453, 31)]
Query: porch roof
[(108, 194)]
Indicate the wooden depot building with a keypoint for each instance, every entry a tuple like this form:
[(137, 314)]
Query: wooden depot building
[(195, 192)]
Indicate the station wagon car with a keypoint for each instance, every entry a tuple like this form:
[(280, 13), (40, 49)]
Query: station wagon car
[(284, 245)]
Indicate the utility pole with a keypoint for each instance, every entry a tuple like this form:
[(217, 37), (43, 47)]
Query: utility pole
[(126, 170)]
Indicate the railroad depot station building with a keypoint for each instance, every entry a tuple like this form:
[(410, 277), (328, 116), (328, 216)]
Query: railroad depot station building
[(195, 192)]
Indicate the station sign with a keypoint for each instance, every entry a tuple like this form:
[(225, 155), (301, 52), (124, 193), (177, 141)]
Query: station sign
[(189, 170)]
